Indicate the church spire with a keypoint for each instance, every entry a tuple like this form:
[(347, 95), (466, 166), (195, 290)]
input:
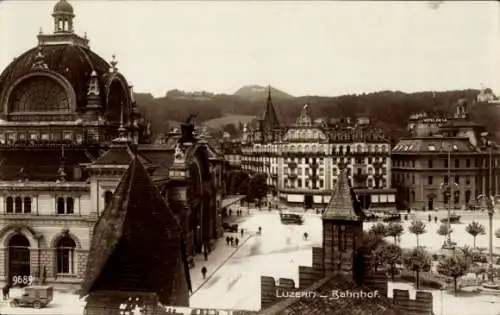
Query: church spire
[(270, 119)]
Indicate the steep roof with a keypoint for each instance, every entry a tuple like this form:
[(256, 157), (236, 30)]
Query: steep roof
[(137, 232), (270, 119), (120, 153), (341, 306), (342, 205)]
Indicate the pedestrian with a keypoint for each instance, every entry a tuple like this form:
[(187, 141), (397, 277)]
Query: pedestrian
[(231, 240), (430, 218), (227, 240), (204, 272), (5, 291), (236, 241), (435, 219), (306, 235), (242, 231), (260, 230), (205, 255)]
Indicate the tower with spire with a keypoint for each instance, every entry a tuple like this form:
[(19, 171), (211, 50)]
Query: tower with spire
[(270, 120), (342, 229)]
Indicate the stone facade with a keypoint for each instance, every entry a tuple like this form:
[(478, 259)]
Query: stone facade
[(304, 160)]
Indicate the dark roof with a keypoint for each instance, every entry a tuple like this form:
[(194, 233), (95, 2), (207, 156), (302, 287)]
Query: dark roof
[(63, 6), (120, 154), (74, 62), (137, 236), (342, 202), (434, 144), (341, 306), (161, 156), (41, 164), (270, 119)]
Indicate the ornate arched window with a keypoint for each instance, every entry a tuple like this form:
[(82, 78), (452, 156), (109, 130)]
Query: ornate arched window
[(9, 205), (18, 205), (66, 255), (27, 205), (39, 94)]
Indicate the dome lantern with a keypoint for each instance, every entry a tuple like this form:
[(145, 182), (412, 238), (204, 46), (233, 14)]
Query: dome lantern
[(63, 17)]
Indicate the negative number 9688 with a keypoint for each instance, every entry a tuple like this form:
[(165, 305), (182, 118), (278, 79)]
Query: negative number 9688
[(23, 280)]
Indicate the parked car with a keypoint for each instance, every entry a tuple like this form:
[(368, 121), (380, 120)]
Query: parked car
[(391, 217), (233, 228), (34, 296), (291, 218), (370, 216)]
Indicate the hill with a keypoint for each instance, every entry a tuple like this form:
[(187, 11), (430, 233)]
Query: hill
[(389, 110), (219, 123), (259, 93)]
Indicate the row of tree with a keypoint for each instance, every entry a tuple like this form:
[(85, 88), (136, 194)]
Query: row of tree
[(418, 259), (242, 183)]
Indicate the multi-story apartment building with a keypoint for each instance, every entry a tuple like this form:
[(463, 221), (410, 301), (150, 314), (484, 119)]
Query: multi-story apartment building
[(304, 160), (444, 154)]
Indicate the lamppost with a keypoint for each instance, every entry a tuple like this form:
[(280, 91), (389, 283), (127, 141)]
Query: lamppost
[(449, 190), (490, 202)]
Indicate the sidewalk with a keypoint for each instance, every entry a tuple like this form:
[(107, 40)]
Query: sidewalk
[(216, 259)]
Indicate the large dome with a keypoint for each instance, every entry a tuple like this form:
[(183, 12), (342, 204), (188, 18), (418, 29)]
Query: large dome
[(75, 63)]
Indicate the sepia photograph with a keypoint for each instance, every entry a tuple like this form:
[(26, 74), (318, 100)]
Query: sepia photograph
[(249, 157)]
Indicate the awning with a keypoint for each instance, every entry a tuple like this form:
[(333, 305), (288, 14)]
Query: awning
[(232, 199)]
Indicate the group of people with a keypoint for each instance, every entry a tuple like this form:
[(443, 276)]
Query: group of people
[(232, 241)]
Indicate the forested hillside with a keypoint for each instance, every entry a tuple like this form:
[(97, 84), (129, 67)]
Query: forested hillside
[(388, 110)]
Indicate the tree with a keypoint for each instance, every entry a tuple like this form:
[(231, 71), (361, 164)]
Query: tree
[(390, 254), (257, 188), (443, 230), (475, 228), (395, 230), (453, 266), (417, 260), (467, 252), (417, 227), (379, 230)]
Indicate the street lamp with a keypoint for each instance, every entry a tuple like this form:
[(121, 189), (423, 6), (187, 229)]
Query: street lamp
[(449, 190), (490, 201)]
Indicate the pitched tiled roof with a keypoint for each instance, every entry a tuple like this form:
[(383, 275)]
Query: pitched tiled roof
[(140, 229), (322, 304), (342, 204), (161, 156), (433, 145), (120, 154)]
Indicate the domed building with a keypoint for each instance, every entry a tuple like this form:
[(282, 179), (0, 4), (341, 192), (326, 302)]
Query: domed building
[(69, 130)]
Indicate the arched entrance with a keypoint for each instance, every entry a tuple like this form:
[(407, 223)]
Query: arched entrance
[(19, 256)]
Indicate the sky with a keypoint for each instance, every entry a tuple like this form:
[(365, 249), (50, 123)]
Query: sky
[(303, 48)]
